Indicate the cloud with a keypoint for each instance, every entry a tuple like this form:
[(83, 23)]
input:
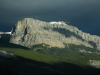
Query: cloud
[(81, 13)]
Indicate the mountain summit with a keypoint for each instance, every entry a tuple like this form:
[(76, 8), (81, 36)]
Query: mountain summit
[(29, 32)]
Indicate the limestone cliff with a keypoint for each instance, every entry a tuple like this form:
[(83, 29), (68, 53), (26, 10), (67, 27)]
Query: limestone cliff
[(29, 32)]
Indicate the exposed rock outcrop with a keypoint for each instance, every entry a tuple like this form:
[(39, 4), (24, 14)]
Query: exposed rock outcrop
[(95, 63), (7, 55), (29, 32)]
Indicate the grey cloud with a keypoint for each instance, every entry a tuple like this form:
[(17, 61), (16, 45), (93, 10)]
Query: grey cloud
[(85, 14)]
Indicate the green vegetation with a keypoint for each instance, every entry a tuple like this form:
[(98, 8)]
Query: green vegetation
[(27, 53), (43, 60), (70, 54)]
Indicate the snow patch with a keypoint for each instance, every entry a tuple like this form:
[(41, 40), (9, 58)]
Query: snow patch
[(59, 22)]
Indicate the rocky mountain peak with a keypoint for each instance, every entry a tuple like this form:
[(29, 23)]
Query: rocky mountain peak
[(29, 32)]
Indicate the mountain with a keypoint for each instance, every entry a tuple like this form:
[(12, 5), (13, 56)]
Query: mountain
[(38, 47), (29, 32)]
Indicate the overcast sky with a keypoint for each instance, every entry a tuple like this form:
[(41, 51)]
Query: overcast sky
[(84, 14)]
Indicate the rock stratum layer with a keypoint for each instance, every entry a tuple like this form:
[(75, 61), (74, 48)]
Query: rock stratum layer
[(29, 32)]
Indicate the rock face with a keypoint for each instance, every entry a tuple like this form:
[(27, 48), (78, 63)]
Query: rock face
[(95, 63), (7, 55), (29, 32)]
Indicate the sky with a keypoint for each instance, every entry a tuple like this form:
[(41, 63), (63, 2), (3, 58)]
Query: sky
[(83, 14)]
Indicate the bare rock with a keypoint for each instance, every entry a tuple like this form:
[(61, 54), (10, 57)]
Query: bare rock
[(29, 32), (95, 63), (6, 54)]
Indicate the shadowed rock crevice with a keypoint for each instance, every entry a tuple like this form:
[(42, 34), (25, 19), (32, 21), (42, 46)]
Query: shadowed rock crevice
[(25, 32), (67, 33), (93, 44)]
